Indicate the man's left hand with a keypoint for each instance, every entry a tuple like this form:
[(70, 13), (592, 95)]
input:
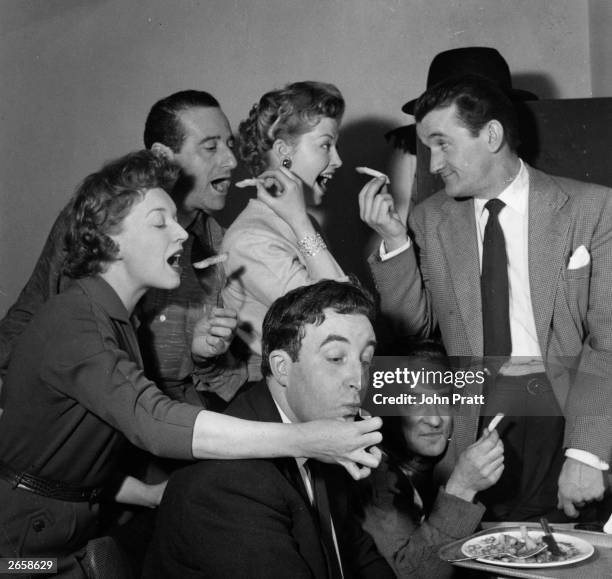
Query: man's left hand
[(214, 332), (579, 484)]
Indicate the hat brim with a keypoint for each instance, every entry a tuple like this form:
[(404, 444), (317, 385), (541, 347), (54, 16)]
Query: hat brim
[(516, 94)]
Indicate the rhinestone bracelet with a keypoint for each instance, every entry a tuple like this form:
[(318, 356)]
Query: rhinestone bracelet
[(311, 245)]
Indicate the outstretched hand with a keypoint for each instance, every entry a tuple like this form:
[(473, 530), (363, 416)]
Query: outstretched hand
[(350, 444)]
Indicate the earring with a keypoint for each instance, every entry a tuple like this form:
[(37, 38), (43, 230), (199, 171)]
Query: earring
[(286, 162)]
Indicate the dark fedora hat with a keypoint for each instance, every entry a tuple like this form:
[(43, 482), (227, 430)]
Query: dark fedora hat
[(478, 60)]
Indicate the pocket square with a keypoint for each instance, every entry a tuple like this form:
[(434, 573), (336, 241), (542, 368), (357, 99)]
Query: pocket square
[(579, 258)]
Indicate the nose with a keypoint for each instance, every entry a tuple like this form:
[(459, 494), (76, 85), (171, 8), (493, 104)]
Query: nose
[(335, 160), (229, 159), (356, 375), (181, 234), (433, 417), (436, 161)]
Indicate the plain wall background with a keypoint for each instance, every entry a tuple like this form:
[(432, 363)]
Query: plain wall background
[(79, 76)]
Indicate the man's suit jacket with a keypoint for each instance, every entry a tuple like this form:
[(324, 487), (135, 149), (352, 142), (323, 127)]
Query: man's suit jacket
[(437, 283), (253, 518)]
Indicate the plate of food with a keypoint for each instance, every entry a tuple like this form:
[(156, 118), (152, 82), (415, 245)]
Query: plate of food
[(505, 548)]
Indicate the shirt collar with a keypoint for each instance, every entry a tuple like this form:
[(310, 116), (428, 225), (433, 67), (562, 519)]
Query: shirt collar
[(102, 292), (286, 420), (515, 195)]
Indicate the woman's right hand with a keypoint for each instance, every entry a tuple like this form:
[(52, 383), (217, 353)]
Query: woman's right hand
[(283, 192), (350, 444)]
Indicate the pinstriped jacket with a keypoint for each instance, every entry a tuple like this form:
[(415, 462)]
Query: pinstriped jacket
[(436, 283)]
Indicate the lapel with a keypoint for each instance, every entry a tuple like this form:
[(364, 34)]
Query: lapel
[(457, 233), (548, 229), (256, 403)]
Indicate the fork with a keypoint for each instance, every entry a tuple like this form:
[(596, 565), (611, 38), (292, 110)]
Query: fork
[(525, 555)]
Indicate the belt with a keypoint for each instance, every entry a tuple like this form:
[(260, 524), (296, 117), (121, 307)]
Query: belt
[(49, 488)]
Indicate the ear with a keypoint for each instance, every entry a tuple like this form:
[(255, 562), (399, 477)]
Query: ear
[(282, 150), (494, 135), (163, 151), (280, 365)]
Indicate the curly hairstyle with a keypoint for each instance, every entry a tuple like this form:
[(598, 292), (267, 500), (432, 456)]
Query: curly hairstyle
[(284, 325), (101, 203), (163, 124), (286, 114)]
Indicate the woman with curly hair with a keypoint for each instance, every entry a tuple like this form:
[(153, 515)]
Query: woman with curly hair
[(289, 144), (75, 393)]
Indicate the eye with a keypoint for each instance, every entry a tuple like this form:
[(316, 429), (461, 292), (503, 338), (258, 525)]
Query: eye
[(158, 221), (327, 146), (231, 143), (335, 358)]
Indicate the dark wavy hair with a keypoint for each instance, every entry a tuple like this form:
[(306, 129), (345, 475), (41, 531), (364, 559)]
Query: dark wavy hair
[(101, 203), (286, 114), (478, 101), (163, 124), (284, 325)]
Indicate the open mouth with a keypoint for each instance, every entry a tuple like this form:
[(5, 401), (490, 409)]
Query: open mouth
[(323, 181), (174, 259), (221, 185)]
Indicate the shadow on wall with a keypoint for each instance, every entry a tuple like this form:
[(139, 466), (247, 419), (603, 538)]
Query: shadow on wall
[(361, 143), (540, 84)]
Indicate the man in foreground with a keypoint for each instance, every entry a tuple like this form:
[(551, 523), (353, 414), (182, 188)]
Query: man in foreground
[(281, 517)]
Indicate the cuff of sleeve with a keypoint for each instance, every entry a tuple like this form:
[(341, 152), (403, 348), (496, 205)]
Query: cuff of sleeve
[(459, 518), (384, 255), (586, 458)]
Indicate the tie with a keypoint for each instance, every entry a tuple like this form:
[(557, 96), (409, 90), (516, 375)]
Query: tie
[(494, 286), (321, 504)]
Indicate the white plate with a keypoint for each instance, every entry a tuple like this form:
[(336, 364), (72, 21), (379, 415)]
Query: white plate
[(585, 549)]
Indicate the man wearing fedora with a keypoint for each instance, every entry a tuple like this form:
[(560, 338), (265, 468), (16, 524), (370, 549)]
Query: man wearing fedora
[(513, 266)]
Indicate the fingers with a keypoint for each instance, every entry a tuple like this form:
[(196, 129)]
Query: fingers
[(567, 506), (365, 458), (488, 440), (370, 425), (215, 259), (223, 317), (367, 195), (372, 173), (356, 471)]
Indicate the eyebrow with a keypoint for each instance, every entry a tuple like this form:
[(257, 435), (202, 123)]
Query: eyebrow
[(437, 134), (339, 338), (211, 138)]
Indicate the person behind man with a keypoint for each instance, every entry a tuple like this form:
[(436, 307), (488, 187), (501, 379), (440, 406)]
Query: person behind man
[(547, 306), (182, 346), (407, 514), (271, 518)]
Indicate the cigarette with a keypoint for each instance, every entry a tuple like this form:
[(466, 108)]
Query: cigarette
[(372, 173), (496, 420), (214, 260)]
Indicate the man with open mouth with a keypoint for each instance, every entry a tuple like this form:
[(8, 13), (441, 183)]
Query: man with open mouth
[(190, 129)]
